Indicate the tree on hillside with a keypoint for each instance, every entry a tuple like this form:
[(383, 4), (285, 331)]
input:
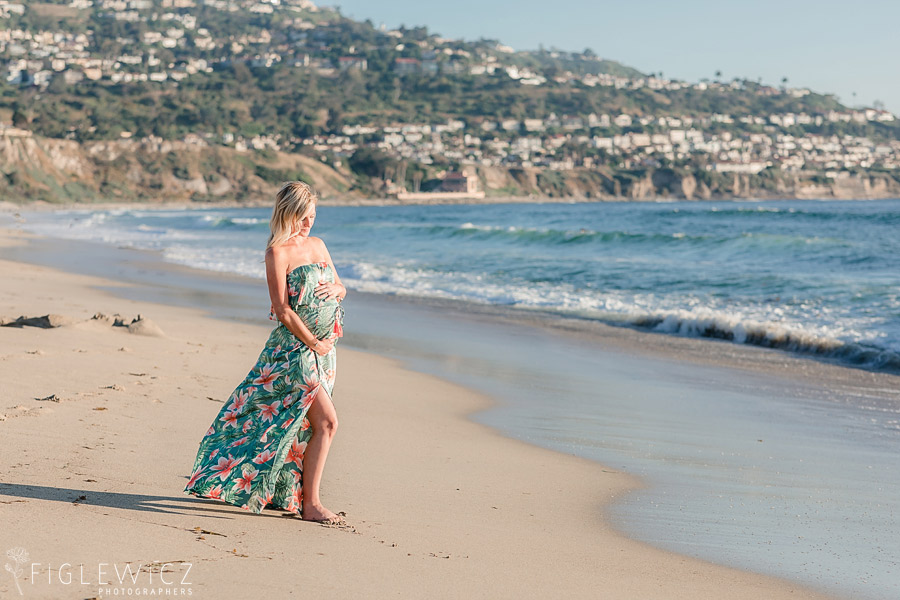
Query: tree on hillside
[(370, 161), (19, 119)]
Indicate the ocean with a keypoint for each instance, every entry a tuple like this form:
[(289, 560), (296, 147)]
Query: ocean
[(804, 276), (751, 473)]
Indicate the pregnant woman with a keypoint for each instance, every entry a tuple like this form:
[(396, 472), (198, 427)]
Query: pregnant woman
[(267, 446)]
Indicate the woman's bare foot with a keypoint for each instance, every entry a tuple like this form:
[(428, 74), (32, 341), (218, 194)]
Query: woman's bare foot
[(320, 514)]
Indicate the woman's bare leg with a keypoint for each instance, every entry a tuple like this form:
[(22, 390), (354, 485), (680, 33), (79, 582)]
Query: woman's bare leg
[(323, 421)]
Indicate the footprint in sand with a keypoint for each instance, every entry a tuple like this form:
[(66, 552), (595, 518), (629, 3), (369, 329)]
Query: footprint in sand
[(20, 410)]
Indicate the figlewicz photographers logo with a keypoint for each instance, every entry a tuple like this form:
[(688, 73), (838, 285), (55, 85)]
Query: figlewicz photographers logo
[(19, 556), (151, 579)]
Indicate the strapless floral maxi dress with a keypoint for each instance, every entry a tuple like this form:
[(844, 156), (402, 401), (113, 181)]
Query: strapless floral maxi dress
[(252, 454)]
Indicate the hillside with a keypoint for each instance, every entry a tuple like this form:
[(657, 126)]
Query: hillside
[(225, 98), (152, 170), (156, 171)]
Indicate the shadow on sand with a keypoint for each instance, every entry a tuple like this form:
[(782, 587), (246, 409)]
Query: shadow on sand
[(138, 502)]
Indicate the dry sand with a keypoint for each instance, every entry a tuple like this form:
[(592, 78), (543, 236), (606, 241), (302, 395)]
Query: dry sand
[(440, 507)]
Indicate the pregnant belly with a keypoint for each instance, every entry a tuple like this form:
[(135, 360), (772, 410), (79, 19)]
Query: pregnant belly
[(323, 319)]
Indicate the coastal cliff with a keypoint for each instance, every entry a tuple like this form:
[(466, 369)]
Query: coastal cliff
[(681, 184), (150, 169)]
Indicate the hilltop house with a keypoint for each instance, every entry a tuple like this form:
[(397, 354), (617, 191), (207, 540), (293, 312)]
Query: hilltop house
[(358, 63), (404, 66)]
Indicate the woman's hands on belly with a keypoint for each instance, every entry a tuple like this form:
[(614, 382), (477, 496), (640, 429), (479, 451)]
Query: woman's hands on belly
[(320, 318), (328, 290)]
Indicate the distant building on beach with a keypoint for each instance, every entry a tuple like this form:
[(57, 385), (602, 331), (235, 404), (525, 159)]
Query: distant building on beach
[(456, 185), (460, 181)]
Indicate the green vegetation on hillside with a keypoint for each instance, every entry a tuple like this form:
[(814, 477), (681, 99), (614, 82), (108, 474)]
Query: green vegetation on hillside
[(292, 80)]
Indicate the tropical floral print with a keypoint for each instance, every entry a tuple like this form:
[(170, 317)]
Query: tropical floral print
[(252, 454)]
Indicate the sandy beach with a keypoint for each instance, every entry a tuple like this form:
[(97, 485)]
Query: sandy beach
[(101, 424)]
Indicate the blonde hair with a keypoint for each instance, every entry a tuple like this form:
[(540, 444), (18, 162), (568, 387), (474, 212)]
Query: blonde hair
[(293, 200)]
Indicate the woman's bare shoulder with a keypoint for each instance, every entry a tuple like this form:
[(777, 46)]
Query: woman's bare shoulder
[(277, 255), (319, 245)]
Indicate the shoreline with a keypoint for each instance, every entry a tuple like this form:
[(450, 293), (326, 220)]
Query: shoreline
[(802, 368), (626, 335), (732, 375), (643, 570), (764, 335), (40, 205)]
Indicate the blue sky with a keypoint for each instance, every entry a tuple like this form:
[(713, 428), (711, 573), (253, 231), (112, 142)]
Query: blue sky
[(826, 45)]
